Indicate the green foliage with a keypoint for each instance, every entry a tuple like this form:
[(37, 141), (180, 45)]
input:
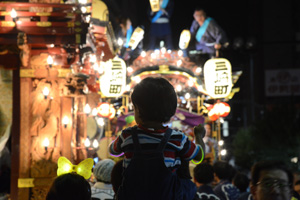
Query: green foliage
[(275, 136)]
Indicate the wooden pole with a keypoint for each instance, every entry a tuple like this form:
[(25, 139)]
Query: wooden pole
[(15, 137)]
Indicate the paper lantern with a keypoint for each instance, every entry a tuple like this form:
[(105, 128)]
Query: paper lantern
[(106, 110), (100, 11), (184, 40), (154, 5), (136, 37), (113, 81), (217, 77), (213, 116), (220, 109)]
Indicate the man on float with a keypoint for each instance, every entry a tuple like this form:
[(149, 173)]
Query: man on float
[(207, 37)]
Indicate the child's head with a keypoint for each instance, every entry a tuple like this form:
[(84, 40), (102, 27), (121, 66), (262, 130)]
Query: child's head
[(154, 100), (102, 170), (69, 187), (204, 173)]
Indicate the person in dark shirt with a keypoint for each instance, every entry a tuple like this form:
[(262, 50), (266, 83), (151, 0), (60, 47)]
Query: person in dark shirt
[(224, 189), (203, 177)]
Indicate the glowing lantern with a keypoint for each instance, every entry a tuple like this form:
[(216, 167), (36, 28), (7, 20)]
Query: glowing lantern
[(184, 40), (154, 5), (212, 115), (106, 110), (217, 77), (113, 81), (136, 37), (220, 109), (99, 11)]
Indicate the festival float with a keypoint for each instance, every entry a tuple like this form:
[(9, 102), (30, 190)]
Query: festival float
[(71, 90)]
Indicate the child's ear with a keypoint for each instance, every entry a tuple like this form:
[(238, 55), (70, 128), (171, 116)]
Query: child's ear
[(195, 180), (253, 189)]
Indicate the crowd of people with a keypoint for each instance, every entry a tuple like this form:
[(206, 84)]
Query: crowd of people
[(268, 180)]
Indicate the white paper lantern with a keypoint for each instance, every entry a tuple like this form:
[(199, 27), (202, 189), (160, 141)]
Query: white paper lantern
[(217, 77)]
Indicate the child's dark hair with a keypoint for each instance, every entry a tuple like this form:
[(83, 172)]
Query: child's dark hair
[(69, 187), (155, 99), (204, 173), (241, 181), (223, 170)]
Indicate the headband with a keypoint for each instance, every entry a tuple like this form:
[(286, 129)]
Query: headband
[(84, 168)]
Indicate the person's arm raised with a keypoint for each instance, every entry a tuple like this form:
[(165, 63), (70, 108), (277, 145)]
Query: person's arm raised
[(199, 132)]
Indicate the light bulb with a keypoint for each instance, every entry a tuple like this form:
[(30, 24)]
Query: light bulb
[(94, 111), (143, 54), (13, 13), (129, 69), (221, 142), (50, 61), (180, 53), (65, 121), (100, 121), (46, 142), (87, 109), (95, 144), (187, 96), (87, 142), (178, 88), (179, 63), (223, 152), (120, 42), (46, 92), (198, 70)]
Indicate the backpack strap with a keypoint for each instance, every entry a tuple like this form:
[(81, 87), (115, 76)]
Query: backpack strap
[(164, 140), (136, 144)]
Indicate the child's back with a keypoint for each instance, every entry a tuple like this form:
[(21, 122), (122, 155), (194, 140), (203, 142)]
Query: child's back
[(155, 102)]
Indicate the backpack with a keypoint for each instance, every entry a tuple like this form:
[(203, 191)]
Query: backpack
[(147, 177)]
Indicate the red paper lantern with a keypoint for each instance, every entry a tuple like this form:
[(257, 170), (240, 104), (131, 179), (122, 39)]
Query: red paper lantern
[(106, 110), (212, 115), (220, 109)]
